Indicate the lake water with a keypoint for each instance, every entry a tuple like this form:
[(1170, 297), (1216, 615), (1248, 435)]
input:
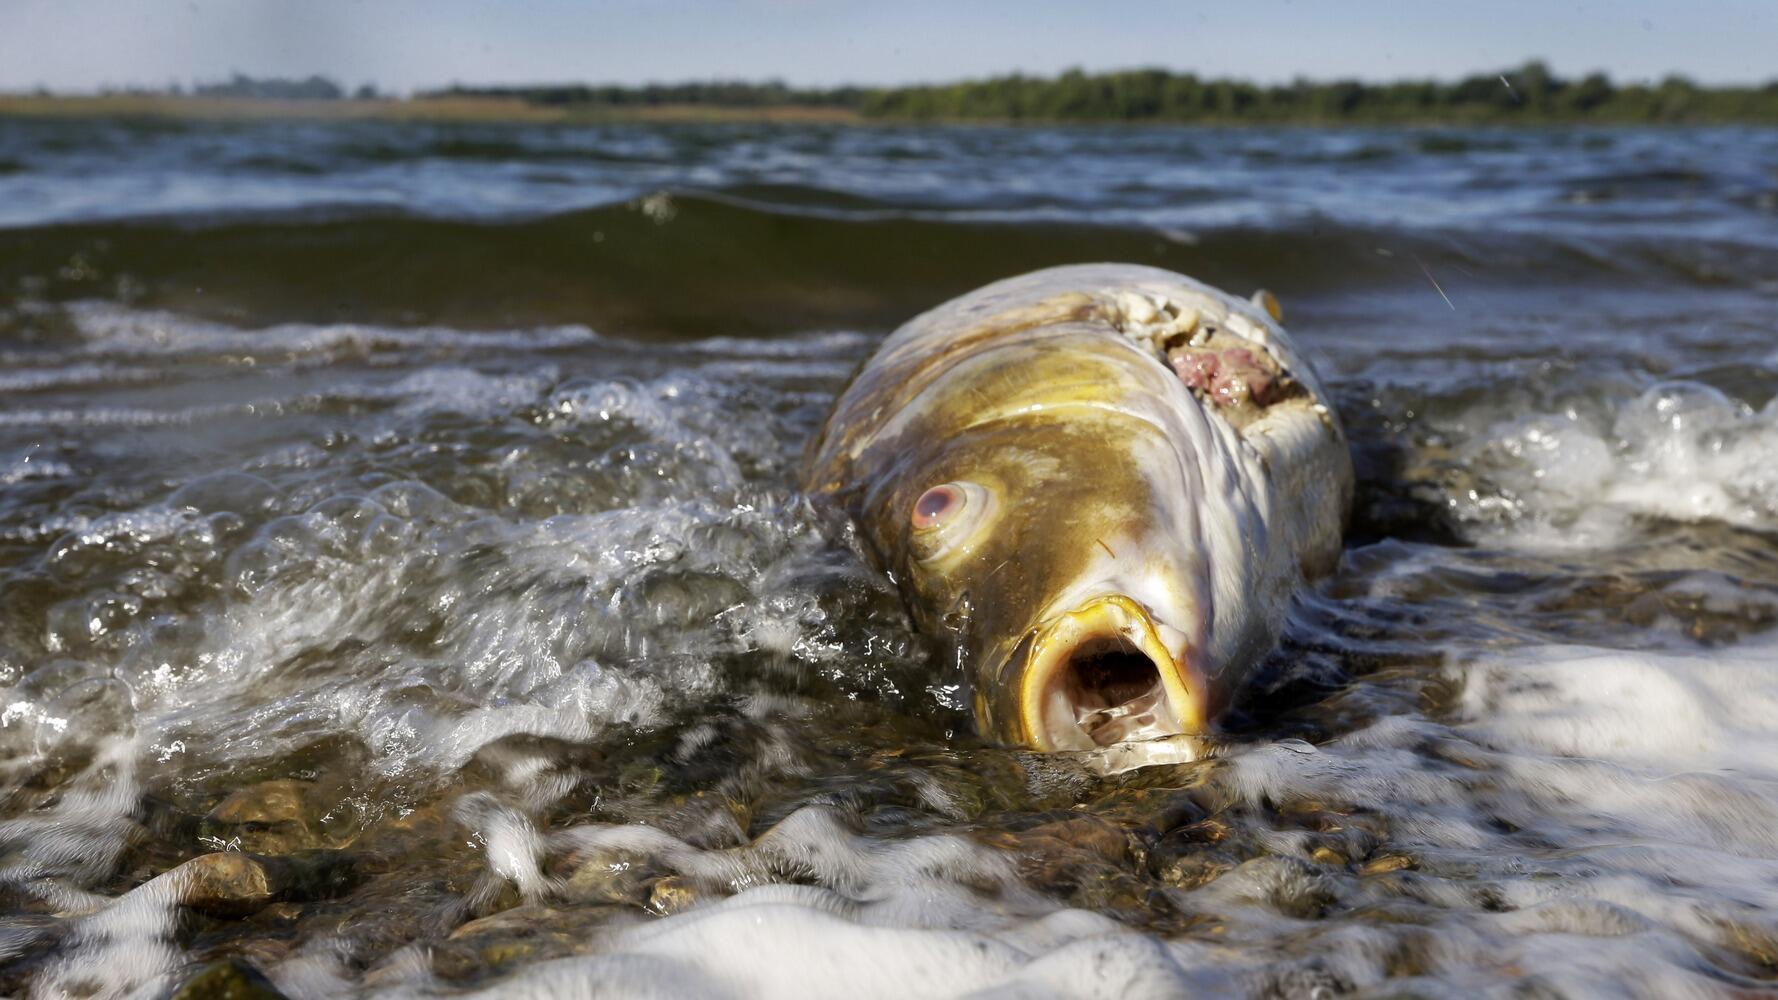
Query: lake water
[(413, 506)]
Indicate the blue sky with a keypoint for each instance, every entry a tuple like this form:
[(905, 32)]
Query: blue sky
[(404, 44)]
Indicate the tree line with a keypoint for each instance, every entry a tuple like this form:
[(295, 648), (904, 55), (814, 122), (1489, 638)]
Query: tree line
[(263, 88), (1529, 94), (715, 94)]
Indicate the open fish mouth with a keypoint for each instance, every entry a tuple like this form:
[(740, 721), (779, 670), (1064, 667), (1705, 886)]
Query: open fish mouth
[(1102, 675)]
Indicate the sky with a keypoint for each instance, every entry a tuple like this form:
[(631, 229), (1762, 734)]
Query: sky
[(403, 45)]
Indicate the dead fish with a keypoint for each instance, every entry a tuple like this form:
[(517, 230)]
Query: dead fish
[(1100, 486)]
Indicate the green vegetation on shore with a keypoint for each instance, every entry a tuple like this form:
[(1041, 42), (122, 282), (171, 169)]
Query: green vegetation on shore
[(1530, 94)]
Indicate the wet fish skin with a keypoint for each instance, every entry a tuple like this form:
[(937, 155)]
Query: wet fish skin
[(1108, 513)]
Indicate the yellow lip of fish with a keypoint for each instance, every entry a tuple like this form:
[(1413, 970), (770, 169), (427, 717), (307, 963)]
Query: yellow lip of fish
[(1115, 625)]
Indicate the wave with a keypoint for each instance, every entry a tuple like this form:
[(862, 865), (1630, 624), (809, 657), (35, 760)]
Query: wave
[(691, 265)]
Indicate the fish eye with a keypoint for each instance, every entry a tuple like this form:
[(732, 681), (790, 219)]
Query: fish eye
[(948, 516), (938, 505)]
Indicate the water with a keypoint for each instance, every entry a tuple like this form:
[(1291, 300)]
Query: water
[(411, 507)]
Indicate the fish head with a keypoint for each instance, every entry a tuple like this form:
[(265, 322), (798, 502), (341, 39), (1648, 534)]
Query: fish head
[(1049, 520)]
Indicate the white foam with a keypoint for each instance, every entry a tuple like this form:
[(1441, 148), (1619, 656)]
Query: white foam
[(1578, 478), (883, 919), (772, 943), (1642, 788), (1664, 712), (1671, 747)]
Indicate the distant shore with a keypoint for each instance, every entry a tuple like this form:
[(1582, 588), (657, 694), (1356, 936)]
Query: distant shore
[(440, 109), (494, 110), (1528, 95)]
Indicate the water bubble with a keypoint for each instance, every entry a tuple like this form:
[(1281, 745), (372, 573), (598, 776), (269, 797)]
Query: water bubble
[(79, 623), (1671, 417), (235, 492), (385, 537), (281, 551), (665, 598)]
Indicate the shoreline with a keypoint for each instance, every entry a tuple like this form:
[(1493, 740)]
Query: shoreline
[(496, 110), (437, 109)]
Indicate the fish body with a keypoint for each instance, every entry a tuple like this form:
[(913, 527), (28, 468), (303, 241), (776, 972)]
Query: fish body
[(1099, 486)]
